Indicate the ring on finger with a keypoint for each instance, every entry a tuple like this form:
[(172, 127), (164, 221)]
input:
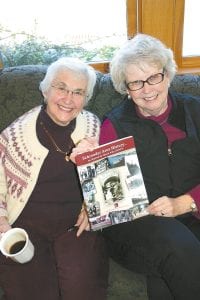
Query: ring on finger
[(162, 213)]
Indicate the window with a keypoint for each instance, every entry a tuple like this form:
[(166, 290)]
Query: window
[(89, 29), (191, 42), (118, 19)]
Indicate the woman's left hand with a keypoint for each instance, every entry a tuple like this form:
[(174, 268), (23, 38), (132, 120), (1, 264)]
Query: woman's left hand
[(170, 207), (82, 222), (84, 145)]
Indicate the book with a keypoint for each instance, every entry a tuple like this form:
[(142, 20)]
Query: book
[(112, 183)]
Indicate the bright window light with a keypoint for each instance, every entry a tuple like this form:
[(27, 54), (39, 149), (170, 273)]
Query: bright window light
[(93, 26), (191, 41)]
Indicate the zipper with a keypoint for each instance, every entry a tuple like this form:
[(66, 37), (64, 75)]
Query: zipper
[(170, 152)]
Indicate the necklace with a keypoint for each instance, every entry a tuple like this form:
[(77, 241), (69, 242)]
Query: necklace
[(67, 154)]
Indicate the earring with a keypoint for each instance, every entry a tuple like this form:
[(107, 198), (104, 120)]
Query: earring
[(129, 97)]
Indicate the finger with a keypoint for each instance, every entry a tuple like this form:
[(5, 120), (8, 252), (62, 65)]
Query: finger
[(80, 219), (84, 226), (82, 222), (79, 231), (155, 210)]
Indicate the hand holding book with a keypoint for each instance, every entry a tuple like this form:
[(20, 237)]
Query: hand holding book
[(87, 144)]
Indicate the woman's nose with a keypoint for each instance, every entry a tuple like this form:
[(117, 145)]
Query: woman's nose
[(147, 87)]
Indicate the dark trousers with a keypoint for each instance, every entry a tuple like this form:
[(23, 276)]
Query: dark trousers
[(66, 267), (163, 249)]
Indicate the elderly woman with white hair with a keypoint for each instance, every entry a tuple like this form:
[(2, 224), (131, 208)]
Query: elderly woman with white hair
[(164, 245), (39, 192)]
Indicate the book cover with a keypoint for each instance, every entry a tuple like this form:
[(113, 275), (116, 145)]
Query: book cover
[(112, 183)]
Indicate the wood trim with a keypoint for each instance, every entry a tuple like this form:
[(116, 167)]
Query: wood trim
[(195, 71), (178, 8), (155, 18), (131, 16), (102, 66), (191, 62)]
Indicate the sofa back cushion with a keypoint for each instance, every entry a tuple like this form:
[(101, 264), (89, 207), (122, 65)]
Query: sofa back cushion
[(19, 91)]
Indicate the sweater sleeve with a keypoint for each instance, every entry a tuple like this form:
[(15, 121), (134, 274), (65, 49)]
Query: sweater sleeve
[(3, 190), (87, 125), (3, 184), (107, 132)]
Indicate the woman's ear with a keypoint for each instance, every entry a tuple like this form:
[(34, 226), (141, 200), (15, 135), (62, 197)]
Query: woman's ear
[(167, 78), (168, 83), (45, 96)]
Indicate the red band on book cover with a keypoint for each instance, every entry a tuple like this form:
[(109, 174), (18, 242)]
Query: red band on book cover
[(105, 150)]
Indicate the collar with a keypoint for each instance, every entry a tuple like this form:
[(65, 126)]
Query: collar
[(86, 124), (161, 119), (176, 115)]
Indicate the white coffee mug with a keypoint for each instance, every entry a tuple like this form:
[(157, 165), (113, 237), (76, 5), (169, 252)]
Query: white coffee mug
[(16, 244)]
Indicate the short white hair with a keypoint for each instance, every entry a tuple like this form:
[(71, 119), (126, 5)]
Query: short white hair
[(74, 65), (141, 50)]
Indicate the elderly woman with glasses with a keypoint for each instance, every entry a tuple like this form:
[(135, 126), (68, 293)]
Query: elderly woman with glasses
[(39, 192), (163, 245)]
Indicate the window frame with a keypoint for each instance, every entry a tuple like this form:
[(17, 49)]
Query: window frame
[(149, 16), (131, 12), (185, 63)]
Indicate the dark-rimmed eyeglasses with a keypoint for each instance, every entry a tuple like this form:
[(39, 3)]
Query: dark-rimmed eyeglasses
[(138, 84)]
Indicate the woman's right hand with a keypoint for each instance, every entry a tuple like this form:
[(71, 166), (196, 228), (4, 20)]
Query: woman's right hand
[(4, 225), (171, 207)]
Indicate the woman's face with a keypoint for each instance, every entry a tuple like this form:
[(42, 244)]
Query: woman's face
[(66, 97), (151, 100)]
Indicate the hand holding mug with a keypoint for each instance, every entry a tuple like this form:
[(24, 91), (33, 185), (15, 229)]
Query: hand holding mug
[(15, 244), (4, 225)]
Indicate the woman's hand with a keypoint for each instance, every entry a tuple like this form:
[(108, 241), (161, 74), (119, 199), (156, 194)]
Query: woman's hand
[(82, 222), (171, 207), (84, 145), (4, 225)]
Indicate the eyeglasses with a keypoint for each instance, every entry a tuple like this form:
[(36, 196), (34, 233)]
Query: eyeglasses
[(138, 84), (63, 91)]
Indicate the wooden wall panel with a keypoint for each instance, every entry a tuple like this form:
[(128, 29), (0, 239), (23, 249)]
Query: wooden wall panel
[(157, 19), (131, 17)]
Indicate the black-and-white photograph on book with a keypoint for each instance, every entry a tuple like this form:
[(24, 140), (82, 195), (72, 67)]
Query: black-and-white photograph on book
[(112, 185)]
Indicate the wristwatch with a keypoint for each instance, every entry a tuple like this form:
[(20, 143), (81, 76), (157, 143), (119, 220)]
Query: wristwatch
[(193, 206)]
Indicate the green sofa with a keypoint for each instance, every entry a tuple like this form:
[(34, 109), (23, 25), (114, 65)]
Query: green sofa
[(19, 92)]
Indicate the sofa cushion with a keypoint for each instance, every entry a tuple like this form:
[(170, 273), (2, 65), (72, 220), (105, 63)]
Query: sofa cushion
[(19, 91), (125, 285)]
